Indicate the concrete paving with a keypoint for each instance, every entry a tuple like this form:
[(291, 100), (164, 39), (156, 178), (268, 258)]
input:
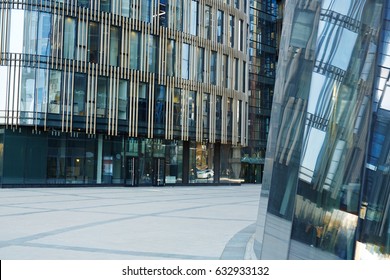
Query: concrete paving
[(115, 223)]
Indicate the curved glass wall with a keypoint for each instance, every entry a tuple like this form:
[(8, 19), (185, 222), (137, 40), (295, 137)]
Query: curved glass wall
[(129, 68), (321, 119), (374, 234)]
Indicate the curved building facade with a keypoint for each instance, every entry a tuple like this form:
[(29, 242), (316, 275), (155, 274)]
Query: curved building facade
[(132, 92), (325, 191)]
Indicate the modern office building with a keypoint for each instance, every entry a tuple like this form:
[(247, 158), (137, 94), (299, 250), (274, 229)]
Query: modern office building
[(263, 41), (326, 189), (129, 92)]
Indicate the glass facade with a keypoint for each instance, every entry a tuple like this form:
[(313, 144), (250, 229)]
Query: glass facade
[(262, 70), (121, 92), (325, 191)]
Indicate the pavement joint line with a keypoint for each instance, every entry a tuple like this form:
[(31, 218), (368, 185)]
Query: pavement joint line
[(139, 203), (22, 240), (117, 252)]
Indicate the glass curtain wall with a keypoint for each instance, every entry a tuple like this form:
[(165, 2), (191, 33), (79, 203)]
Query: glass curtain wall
[(314, 163)]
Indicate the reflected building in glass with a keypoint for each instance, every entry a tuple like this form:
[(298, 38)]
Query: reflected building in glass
[(263, 42), (326, 189), (128, 92)]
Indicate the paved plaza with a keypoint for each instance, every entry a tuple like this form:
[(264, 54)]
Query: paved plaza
[(213, 222)]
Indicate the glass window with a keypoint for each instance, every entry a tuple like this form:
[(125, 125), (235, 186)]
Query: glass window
[(44, 33), (241, 35), (237, 4), (213, 66), (30, 32), (206, 110), (57, 46), (115, 7), (41, 91), (125, 5), (16, 31), (152, 55), (80, 88), (135, 50), (239, 118), (54, 92), (122, 102), (162, 15), (218, 113), (243, 76), (207, 22), (143, 103), (177, 107), (231, 31), (67, 91), (56, 156), (194, 18), (185, 62), (171, 57), (3, 94), (179, 15), (225, 71), (69, 37), (192, 109), (75, 160), (93, 42), (236, 69), (229, 115), (146, 10), (220, 15), (200, 67), (102, 93), (81, 41), (27, 95), (115, 34), (159, 111), (105, 5), (83, 3)]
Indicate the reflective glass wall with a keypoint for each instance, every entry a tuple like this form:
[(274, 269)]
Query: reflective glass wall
[(319, 130), (374, 231), (262, 70)]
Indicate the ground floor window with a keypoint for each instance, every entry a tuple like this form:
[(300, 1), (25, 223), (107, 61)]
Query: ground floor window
[(54, 158)]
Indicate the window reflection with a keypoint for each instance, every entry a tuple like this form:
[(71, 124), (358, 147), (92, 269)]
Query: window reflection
[(220, 31), (93, 42), (194, 17), (200, 66), (171, 57), (54, 92), (213, 68), (177, 107), (185, 62), (102, 93), (207, 22), (159, 111), (80, 88), (153, 53), (30, 32), (143, 103), (122, 102), (115, 43), (135, 50), (69, 37), (44, 33)]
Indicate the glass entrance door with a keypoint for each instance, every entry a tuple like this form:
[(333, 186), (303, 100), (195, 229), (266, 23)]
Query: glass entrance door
[(131, 171), (159, 172)]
